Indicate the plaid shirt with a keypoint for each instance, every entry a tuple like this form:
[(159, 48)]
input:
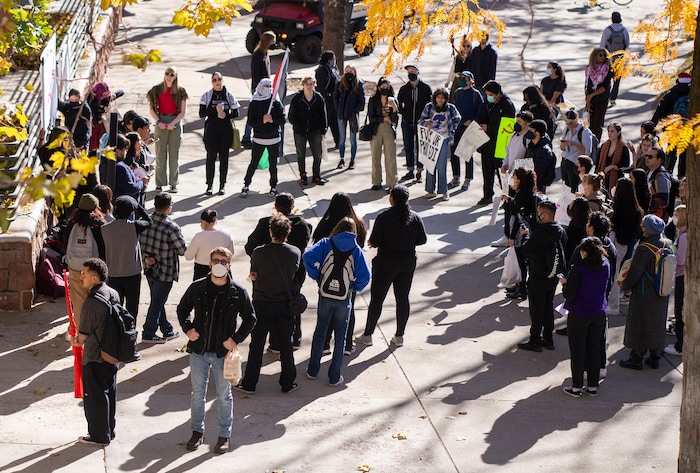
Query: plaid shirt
[(163, 241)]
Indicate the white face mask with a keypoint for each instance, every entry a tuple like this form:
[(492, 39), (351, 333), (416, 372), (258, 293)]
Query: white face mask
[(219, 270)]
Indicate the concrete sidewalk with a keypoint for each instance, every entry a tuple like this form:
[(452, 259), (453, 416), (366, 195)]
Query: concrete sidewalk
[(465, 399)]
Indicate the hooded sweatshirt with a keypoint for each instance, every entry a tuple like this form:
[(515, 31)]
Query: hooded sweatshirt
[(345, 241), (541, 248), (585, 289)]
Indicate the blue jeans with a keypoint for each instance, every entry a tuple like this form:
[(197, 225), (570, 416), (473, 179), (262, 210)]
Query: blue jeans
[(199, 374), (342, 133), (336, 314), (440, 171), (155, 317)]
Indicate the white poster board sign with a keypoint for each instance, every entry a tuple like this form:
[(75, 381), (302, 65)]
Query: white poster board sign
[(429, 145), (49, 84), (471, 140)]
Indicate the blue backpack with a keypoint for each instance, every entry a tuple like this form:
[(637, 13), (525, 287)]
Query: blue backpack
[(681, 105)]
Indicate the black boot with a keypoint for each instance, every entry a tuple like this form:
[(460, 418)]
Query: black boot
[(634, 362)]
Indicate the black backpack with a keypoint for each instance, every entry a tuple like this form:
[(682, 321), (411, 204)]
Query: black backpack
[(119, 337), (337, 273)]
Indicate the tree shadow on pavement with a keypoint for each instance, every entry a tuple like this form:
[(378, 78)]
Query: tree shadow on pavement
[(49, 459)]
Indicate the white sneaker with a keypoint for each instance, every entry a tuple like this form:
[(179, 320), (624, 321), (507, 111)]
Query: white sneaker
[(430, 195), (445, 197), (396, 340), (364, 339), (671, 350), (501, 242), (340, 381), (603, 373)]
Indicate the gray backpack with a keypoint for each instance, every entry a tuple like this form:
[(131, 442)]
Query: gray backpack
[(81, 246)]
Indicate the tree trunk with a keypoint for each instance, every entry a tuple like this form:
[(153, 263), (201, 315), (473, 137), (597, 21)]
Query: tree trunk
[(689, 455), (334, 19)]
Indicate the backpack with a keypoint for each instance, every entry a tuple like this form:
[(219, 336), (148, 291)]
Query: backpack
[(49, 274), (664, 277), (337, 273), (119, 337), (595, 143), (81, 246), (616, 41), (680, 106), (673, 191)]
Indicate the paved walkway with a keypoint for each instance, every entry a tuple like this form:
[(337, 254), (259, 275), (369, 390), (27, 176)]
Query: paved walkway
[(464, 398)]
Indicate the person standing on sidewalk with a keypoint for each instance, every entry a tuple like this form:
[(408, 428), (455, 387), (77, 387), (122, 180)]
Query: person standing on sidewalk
[(396, 234), (468, 102), (259, 69), (383, 113), (412, 98), (168, 104), (307, 114), (218, 107), (212, 332), (272, 269), (203, 242), (327, 79), (99, 376), (162, 243), (349, 101), (615, 38), (484, 61), (680, 219), (267, 121), (335, 300)]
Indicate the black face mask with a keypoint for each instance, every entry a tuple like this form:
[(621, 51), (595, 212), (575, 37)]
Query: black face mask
[(412, 77), (385, 91), (350, 76), (517, 127), (529, 135)]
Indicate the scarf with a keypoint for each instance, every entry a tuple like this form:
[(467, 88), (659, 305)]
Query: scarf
[(612, 175), (261, 91), (597, 74)]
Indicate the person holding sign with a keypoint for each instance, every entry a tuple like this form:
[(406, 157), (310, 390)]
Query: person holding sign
[(468, 102), (497, 118), (441, 118)]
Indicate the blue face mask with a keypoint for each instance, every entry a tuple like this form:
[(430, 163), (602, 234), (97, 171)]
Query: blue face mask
[(549, 71), (490, 98)]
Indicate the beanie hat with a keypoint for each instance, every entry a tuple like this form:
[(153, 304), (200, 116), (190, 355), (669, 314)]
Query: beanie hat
[(653, 224), (124, 205), (88, 203), (684, 78)]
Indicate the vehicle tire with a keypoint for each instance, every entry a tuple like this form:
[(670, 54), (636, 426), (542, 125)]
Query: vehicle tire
[(308, 49), (251, 40)]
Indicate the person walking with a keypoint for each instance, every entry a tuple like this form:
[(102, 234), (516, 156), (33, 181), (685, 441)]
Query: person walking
[(443, 118), (218, 107), (204, 242), (396, 233), (599, 77), (327, 80), (162, 243), (322, 260), (307, 114), (585, 290), (212, 331), (339, 208), (412, 98), (266, 116), (468, 102), (167, 106), (259, 69), (349, 101), (383, 113), (272, 269), (615, 39), (99, 377), (498, 105)]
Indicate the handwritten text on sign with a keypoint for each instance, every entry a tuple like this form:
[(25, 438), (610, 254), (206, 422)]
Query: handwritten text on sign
[(429, 145)]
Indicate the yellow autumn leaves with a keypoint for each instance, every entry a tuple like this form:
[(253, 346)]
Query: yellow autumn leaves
[(201, 15)]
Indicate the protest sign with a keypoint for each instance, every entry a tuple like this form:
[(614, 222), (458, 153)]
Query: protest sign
[(429, 145), (505, 130), (471, 140)]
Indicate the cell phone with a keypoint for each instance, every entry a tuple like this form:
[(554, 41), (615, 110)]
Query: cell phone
[(560, 276)]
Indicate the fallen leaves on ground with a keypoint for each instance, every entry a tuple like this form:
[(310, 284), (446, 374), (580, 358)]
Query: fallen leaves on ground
[(399, 436)]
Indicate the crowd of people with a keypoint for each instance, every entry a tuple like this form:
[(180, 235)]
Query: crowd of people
[(621, 204)]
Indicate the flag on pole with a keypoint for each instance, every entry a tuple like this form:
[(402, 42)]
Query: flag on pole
[(279, 84)]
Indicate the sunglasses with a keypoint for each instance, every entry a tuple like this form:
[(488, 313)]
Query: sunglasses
[(170, 74), (650, 156), (220, 261), (217, 79)]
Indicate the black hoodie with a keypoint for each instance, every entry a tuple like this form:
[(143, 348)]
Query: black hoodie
[(546, 241), (545, 161)]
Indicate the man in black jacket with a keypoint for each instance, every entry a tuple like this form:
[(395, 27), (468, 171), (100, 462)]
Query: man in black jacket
[(217, 301), (545, 251), (540, 150), (412, 98), (675, 101), (78, 118)]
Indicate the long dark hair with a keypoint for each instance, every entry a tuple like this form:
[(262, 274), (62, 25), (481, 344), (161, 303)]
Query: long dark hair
[(399, 195), (559, 72), (594, 251), (341, 207), (626, 209), (578, 211), (346, 224), (641, 188), (87, 219), (104, 197), (528, 180)]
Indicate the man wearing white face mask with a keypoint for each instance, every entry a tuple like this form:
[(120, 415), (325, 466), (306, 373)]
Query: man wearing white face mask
[(212, 331)]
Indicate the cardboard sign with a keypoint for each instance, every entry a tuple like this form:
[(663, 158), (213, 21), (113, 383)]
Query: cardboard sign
[(429, 146), (471, 140), (505, 131)]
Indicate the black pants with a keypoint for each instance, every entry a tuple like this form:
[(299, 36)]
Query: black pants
[(540, 293), (349, 331), (678, 305), (454, 160), (99, 400), (332, 115), (256, 154), (129, 288), (314, 140), (489, 168), (585, 334), (522, 263), (217, 144), (399, 272), (597, 117), (569, 174), (200, 271), (272, 316)]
